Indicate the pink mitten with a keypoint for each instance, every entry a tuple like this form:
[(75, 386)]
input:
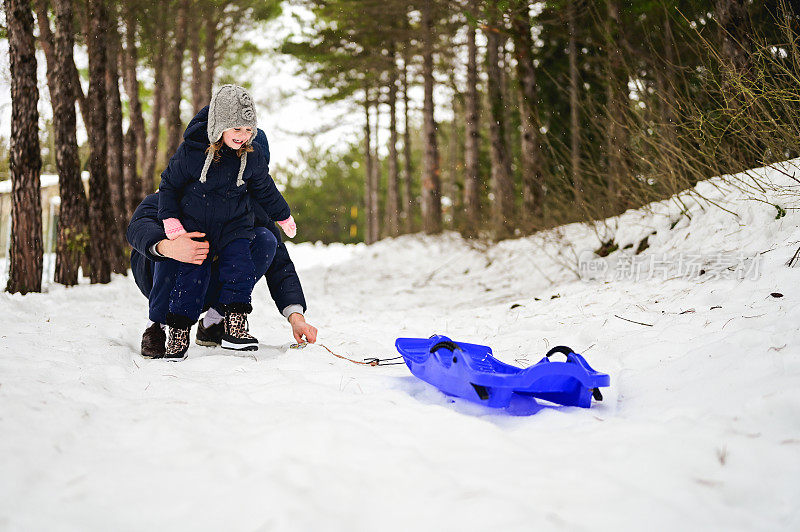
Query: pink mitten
[(174, 228), (288, 226)]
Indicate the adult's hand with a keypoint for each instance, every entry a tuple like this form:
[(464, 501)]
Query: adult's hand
[(184, 248), (302, 329)]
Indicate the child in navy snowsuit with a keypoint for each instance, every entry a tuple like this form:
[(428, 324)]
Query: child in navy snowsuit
[(207, 187)]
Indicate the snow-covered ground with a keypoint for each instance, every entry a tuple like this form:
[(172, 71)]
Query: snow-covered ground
[(700, 429)]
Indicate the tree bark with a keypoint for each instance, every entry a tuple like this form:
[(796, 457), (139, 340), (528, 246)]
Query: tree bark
[(574, 110), (431, 185), (532, 179), (616, 87), (368, 218), (735, 34), (472, 178), (136, 137), (408, 167), (114, 146), (665, 78), (46, 40), (198, 96), (151, 155), (174, 126), (130, 182), (375, 178), (392, 184), (210, 54), (502, 185), (74, 211), (101, 224), (616, 95), (25, 163), (450, 185)]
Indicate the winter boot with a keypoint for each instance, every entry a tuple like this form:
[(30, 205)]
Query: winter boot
[(178, 343), (236, 335), (153, 342), (210, 336)]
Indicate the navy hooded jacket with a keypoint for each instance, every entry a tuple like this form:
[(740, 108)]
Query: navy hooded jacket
[(218, 208)]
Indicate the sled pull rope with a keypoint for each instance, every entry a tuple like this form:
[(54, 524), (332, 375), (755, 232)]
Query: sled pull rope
[(367, 361)]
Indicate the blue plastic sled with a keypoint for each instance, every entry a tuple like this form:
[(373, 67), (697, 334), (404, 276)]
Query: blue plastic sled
[(471, 372)]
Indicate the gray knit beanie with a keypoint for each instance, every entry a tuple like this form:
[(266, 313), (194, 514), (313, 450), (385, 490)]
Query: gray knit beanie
[(231, 106)]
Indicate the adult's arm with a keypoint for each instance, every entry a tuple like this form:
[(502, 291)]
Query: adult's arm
[(145, 231), (282, 280), (262, 188), (146, 235)]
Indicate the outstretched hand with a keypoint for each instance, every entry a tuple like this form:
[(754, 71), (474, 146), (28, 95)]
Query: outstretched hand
[(184, 249), (301, 329)]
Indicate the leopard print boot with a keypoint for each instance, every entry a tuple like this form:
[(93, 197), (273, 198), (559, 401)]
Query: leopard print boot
[(236, 335), (178, 344)]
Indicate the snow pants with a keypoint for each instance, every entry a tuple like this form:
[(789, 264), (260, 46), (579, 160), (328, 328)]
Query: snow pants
[(183, 290)]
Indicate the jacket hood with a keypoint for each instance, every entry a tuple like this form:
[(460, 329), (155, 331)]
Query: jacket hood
[(196, 134)]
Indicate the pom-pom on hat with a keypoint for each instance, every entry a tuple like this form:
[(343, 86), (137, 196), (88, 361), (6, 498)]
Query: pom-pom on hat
[(231, 106)]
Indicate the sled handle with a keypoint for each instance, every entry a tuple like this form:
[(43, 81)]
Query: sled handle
[(567, 351), (564, 350), (445, 344)]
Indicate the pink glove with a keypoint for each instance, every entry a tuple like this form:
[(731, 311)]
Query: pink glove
[(174, 228), (288, 226)]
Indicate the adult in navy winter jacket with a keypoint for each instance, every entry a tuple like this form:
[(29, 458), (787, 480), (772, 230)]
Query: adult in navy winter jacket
[(152, 250), (209, 186)]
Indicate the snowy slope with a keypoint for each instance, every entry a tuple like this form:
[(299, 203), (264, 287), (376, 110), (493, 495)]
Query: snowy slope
[(699, 430)]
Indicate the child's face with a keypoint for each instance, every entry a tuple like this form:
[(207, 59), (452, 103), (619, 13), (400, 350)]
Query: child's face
[(237, 137)]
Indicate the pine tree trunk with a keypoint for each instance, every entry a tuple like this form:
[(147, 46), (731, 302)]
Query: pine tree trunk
[(210, 54), (46, 41), (74, 210), (392, 184), (502, 185), (735, 34), (174, 126), (26, 251), (151, 155), (532, 179), (408, 167), (472, 177), (616, 94), (665, 78), (574, 110), (198, 100), (101, 223), (114, 147), (375, 178), (431, 186), (130, 182), (136, 130), (450, 186), (368, 231)]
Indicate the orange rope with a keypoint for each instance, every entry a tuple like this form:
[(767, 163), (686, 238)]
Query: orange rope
[(369, 362)]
